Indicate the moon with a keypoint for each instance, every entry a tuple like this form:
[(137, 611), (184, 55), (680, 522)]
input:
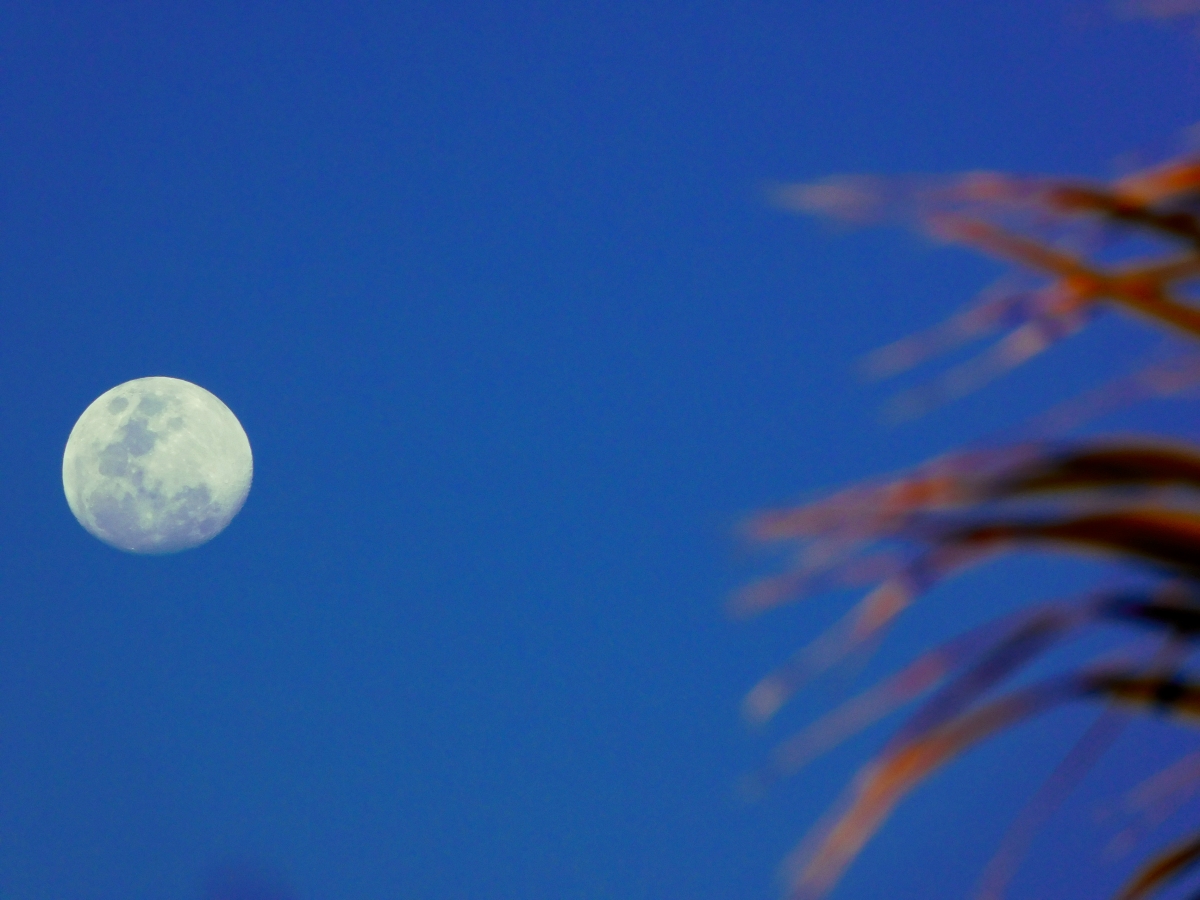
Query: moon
[(156, 465)]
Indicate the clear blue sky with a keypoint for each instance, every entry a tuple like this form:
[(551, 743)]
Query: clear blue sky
[(493, 291)]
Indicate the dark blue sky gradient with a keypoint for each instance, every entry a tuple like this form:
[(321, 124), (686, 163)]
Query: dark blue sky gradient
[(493, 290)]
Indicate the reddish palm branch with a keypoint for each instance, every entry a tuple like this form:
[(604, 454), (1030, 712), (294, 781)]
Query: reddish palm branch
[(1132, 499)]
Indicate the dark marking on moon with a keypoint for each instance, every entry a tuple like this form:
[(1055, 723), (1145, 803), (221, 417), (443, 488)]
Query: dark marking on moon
[(151, 405)]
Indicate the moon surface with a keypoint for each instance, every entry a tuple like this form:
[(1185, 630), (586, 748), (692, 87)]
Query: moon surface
[(156, 465)]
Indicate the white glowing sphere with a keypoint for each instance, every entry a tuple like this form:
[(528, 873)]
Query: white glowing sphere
[(156, 465)]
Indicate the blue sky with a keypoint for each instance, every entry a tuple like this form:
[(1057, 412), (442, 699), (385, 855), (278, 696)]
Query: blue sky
[(494, 292)]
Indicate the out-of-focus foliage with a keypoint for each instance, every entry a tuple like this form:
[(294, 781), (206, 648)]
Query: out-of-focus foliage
[(1080, 249), (243, 883)]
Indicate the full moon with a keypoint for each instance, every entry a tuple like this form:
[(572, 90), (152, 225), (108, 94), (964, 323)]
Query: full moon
[(156, 465)]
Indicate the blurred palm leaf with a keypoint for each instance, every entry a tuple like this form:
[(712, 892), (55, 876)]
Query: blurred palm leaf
[(1083, 248)]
